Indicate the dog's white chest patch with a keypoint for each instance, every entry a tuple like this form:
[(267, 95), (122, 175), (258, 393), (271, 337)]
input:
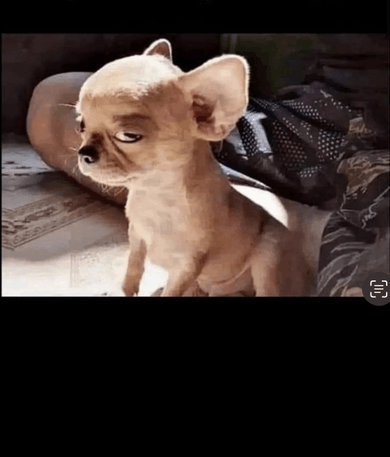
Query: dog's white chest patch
[(161, 224)]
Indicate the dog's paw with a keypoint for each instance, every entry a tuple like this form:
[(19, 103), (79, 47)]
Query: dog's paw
[(195, 291), (157, 292), (130, 290)]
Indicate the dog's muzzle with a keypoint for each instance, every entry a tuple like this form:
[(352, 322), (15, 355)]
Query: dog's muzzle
[(89, 154)]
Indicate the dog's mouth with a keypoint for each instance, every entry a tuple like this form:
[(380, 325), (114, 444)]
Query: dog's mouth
[(120, 183), (104, 177), (110, 180)]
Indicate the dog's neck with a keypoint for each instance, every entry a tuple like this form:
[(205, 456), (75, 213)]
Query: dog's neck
[(197, 167)]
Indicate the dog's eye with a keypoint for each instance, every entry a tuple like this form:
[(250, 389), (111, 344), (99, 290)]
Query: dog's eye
[(127, 137), (82, 126)]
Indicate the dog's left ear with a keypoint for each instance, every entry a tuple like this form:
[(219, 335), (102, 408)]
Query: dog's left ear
[(161, 47), (219, 91)]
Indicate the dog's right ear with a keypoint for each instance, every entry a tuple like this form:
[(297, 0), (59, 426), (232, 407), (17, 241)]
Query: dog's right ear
[(160, 47)]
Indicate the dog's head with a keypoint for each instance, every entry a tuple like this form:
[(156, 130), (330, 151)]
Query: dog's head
[(142, 113)]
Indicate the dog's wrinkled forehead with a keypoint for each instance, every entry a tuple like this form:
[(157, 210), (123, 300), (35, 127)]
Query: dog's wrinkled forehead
[(131, 77)]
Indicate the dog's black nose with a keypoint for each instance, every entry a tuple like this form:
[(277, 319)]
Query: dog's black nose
[(89, 154)]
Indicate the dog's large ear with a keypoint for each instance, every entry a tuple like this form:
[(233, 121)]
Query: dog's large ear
[(161, 47), (219, 91)]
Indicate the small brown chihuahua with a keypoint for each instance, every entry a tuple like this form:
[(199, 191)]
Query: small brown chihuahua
[(147, 125)]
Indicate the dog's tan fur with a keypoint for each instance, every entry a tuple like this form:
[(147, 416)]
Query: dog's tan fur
[(183, 213)]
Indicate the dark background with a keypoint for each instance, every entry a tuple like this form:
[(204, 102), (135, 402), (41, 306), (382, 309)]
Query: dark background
[(358, 63), (29, 58)]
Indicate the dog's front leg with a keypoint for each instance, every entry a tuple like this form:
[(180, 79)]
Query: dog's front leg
[(178, 283), (135, 266), (267, 265), (180, 280)]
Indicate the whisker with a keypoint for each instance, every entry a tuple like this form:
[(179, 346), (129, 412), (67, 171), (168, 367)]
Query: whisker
[(66, 104), (104, 188), (119, 191), (65, 157)]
